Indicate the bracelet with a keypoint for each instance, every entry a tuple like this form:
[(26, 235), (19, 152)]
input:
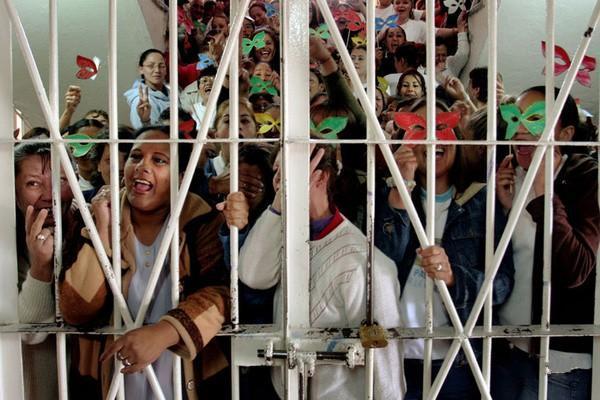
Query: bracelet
[(410, 183)]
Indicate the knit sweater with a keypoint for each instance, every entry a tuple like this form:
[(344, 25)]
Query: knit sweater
[(337, 300)]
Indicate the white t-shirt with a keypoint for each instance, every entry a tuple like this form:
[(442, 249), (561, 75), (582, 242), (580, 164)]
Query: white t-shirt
[(416, 31), (412, 302)]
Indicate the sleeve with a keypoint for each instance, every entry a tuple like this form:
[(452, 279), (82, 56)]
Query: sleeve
[(456, 62), (392, 227), (36, 302), (576, 233), (469, 280), (260, 258), (339, 93), (83, 290), (201, 315)]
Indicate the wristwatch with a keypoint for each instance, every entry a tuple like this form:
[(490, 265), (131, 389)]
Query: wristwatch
[(410, 183)]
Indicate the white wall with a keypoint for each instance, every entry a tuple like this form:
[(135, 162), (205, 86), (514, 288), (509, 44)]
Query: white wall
[(521, 28), (83, 29)]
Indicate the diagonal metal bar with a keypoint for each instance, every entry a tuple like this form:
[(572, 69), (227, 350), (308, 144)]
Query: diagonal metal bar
[(172, 222), (389, 158)]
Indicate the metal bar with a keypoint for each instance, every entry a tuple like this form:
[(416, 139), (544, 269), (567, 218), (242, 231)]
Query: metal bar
[(295, 162), (191, 167), (596, 341), (114, 168), (548, 207), (61, 359), (371, 189), (431, 184), (174, 175), (492, 24)]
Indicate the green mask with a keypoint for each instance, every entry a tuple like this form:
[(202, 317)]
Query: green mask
[(533, 119)]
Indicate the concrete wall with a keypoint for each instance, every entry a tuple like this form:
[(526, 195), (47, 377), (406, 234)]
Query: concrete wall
[(83, 29), (521, 28)]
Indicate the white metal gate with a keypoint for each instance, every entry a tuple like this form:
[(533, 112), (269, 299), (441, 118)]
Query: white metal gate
[(294, 344)]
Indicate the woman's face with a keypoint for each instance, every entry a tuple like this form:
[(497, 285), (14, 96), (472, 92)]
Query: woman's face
[(403, 7), (378, 102), (247, 29), (267, 53), (147, 177), (33, 187), (359, 59), (205, 85), (104, 165), (258, 15), (524, 153), (395, 37), (445, 155), (410, 87), (247, 124), (263, 71), (154, 70), (220, 25)]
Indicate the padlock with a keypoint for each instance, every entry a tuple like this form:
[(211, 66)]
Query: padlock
[(372, 336)]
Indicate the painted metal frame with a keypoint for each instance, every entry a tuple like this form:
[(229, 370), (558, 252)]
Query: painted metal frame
[(295, 332)]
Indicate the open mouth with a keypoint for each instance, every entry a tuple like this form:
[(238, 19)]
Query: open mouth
[(439, 152), (525, 150), (265, 53), (142, 186)]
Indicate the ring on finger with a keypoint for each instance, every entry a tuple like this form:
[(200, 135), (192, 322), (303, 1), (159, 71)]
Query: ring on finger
[(439, 267), (126, 362), (40, 237), (120, 356)]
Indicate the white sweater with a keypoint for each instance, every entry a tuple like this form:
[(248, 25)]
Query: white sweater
[(337, 300)]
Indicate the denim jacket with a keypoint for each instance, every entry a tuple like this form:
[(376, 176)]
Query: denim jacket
[(463, 240)]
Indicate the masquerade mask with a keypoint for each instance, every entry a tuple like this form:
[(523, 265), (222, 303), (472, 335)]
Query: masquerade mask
[(267, 123), (204, 62), (455, 5), (416, 126), (79, 149), (330, 127), (257, 41), (533, 119), (351, 20), (321, 32), (587, 65), (271, 10), (359, 41), (389, 22), (88, 68), (257, 85)]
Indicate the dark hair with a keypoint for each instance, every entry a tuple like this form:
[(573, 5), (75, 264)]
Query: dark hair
[(410, 53), (124, 132), (24, 150), (165, 115), (569, 116), (97, 112), (82, 123), (416, 74), (146, 53), (36, 132), (478, 77), (184, 149)]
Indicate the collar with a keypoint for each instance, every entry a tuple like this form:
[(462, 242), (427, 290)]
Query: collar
[(335, 221)]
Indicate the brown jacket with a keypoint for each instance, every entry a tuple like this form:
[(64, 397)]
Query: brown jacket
[(86, 300)]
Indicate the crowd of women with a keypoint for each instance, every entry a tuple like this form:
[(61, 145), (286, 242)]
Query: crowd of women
[(337, 213)]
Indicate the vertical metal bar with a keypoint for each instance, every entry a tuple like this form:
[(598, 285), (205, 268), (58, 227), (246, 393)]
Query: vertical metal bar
[(174, 174), (295, 124), (114, 168), (596, 340), (548, 207), (492, 7), (234, 126), (11, 379), (53, 88), (431, 192), (371, 79)]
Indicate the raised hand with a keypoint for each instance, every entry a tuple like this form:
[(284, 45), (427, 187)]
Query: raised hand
[(144, 108), (40, 244)]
